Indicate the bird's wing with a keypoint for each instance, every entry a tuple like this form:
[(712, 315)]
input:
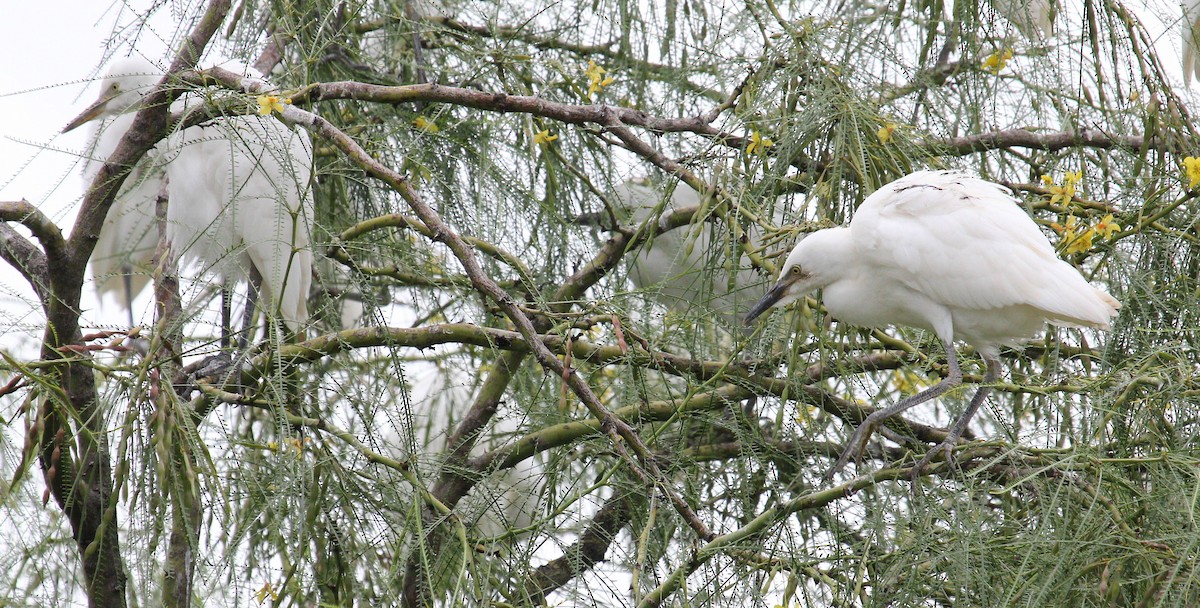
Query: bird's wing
[(965, 243)]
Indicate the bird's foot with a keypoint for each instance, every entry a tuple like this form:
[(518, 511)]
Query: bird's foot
[(946, 447), (854, 448), (220, 370), (214, 366)]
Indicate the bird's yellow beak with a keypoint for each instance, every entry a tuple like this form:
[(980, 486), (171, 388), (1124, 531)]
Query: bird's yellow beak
[(771, 299), (89, 114)]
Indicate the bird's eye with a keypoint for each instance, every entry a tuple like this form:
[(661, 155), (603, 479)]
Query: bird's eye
[(795, 271)]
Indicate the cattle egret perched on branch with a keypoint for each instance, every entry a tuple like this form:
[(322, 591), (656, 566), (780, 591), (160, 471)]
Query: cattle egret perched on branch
[(678, 266), (124, 255), (240, 199), (949, 253), (1191, 40)]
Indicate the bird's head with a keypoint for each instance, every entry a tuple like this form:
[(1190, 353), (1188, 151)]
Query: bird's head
[(122, 90), (809, 267)]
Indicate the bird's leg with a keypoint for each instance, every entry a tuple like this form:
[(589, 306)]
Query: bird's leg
[(226, 315), (127, 281), (960, 426), (859, 439), (255, 282)]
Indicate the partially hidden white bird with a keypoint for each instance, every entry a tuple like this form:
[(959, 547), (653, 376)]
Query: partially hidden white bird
[(239, 196), (1191, 40), (680, 267), (242, 207), (1033, 18), (949, 253), (123, 259)]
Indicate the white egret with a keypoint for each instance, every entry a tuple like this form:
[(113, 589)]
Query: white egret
[(676, 267), (240, 198), (1033, 18), (123, 259), (949, 253), (1191, 40), (241, 206)]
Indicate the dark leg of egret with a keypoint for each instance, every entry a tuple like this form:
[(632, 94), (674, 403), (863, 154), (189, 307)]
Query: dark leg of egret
[(960, 425), (859, 439), (226, 316), (127, 280), (248, 329)]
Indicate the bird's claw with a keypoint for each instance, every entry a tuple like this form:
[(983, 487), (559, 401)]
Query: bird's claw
[(946, 447), (854, 448)]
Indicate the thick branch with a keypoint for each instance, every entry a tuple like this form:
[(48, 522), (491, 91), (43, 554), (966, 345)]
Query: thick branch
[(27, 259), (80, 479), (1051, 141), (585, 553)]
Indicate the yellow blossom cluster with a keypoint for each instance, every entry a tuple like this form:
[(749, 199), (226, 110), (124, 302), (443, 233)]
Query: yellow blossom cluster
[(908, 382), (596, 78), (885, 132), (1078, 238), (995, 62), (267, 591), (1066, 192), (425, 124), (1191, 166), (544, 137), (271, 103)]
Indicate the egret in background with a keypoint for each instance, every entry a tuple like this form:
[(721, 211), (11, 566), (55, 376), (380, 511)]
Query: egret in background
[(1033, 18), (123, 259), (949, 253), (1191, 40), (241, 206), (677, 266)]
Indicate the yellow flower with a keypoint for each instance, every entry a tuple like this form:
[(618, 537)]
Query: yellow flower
[(1192, 165), (596, 79), (885, 132), (266, 591), (1066, 192), (1106, 227), (1073, 240), (543, 137), (271, 103), (1081, 243), (425, 124), (996, 61), (758, 143)]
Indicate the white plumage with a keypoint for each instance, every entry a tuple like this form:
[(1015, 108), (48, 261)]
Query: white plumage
[(949, 253), (1191, 40), (123, 259), (241, 202), (679, 267), (1033, 18), (240, 198)]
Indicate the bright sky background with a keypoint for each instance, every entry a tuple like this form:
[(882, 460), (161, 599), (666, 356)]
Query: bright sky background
[(55, 51)]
